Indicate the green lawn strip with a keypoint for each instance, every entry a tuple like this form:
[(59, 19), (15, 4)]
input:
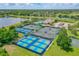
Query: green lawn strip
[(55, 50), (78, 32), (19, 51), (49, 49), (77, 37), (70, 34), (31, 16)]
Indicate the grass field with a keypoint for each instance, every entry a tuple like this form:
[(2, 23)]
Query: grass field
[(14, 50), (70, 34), (55, 50)]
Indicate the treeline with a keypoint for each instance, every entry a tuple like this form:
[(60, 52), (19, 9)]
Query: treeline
[(68, 16), (40, 13)]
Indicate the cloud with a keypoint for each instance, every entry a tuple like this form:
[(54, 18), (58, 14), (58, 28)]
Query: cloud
[(39, 6)]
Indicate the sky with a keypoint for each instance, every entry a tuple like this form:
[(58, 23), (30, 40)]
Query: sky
[(39, 5)]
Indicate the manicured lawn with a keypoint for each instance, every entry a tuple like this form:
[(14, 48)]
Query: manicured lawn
[(19, 51), (23, 52), (70, 34), (55, 50), (77, 35), (78, 32)]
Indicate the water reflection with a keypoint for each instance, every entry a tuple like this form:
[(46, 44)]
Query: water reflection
[(9, 21)]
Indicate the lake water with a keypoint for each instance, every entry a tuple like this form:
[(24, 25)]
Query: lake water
[(75, 42), (9, 21)]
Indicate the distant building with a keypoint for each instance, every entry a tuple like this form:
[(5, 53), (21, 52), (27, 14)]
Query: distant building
[(62, 24), (48, 21)]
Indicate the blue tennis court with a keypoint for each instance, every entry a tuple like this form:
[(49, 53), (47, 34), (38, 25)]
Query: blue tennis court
[(22, 30), (35, 44)]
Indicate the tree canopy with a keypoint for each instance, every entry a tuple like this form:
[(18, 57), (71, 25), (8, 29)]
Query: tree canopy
[(63, 40), (7, 35)]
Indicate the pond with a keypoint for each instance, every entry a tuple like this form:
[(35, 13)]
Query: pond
[(75, 42), (9, 21)]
